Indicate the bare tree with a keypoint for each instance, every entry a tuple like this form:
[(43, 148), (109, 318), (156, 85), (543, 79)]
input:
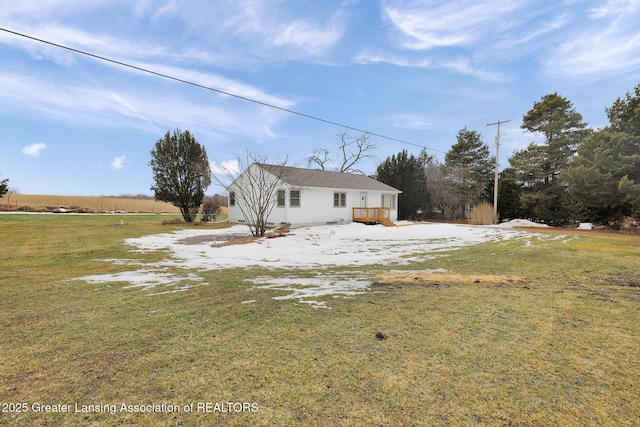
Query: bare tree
[(353, 150), (254, 190), (12, 191), (320, 157), (220, 200), (445, 194)]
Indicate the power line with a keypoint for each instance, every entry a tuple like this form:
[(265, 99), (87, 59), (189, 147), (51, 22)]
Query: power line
[(198, 85)]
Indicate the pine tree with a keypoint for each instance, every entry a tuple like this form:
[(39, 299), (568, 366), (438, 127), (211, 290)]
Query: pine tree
[(605, 176), (555, 118), (624, 114), (538, 168), (469, 165), (406, 173)]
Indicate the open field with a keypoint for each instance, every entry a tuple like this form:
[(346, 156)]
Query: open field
[(537, 328), (39, 202)]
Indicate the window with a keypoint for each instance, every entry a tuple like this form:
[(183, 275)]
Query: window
[(389, 201), (281, 194), (294, 198), (339, 200), (232, 198)]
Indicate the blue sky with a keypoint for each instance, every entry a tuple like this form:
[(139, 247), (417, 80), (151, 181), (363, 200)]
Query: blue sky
[(417, 71)]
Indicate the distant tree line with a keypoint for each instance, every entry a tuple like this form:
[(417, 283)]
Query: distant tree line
[(576, 174)]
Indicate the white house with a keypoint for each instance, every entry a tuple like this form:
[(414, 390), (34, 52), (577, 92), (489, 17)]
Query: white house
[(309, 197)]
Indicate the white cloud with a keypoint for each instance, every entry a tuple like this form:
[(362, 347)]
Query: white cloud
[(227, 167), (118, 162), (367, 56), (613, 8), (607, 42), (308, 39), (465, 66), (34, 150), (411, 121), (460, 65), (268, 30), (146, 107), (429, 24)]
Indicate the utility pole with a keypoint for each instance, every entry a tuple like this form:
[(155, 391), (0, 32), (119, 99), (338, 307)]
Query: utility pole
[(495, 179)]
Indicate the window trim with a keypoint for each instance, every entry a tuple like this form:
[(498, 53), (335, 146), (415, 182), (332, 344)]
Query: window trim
[(298, 199), (341, 198), (393, 198), (281, 202)]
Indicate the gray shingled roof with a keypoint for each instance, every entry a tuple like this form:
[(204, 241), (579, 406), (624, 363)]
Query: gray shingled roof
[(300, 177)]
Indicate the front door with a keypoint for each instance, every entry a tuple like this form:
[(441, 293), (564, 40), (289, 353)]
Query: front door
[(363, 200)]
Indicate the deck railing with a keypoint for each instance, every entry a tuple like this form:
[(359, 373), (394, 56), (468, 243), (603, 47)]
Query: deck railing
[(371, 214)]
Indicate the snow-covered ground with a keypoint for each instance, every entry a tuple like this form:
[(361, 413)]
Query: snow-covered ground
[(520, 223), (304, 250)]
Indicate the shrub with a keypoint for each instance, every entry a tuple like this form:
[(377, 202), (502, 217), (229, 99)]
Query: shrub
[(482, 215), (209, 209)]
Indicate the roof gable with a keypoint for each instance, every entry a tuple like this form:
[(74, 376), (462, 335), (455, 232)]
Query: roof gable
[(300, 177)]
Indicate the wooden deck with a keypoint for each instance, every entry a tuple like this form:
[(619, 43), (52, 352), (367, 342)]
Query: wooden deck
[(373, 216)]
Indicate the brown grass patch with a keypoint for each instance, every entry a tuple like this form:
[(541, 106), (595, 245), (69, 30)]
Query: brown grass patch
[(238, 241), (437, 278)]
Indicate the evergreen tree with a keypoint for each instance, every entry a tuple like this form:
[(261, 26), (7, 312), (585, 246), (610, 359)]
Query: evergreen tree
[(538, 167), (509, 206), (181, 172), (555, 118), (4, 187), (605, 176), (469, 165), (405, 173), (624, 114)]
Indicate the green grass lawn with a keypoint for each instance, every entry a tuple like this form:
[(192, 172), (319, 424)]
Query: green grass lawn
[(558, 346)]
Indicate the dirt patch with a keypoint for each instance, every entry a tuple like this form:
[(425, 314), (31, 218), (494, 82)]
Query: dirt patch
[(438, 278), (239, 241), (278, 232), (627, 279), (206, 238)]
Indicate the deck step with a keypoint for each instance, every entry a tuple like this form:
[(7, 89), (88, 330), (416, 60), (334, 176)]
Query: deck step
[(386, 222)]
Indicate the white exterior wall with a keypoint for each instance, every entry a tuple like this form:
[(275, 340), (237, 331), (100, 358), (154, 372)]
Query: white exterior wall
[(259, 174), (316, 207), (235, 215)]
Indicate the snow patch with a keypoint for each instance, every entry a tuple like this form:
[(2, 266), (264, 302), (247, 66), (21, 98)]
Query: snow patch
[(302, 250), (319, 247), (302, 289), (146, 280), (521, 223)]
